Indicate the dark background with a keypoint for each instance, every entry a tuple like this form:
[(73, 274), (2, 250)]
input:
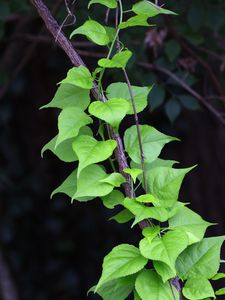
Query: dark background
[(51, 249)]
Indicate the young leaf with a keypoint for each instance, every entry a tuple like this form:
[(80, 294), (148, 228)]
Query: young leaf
[(141, 20), (147, 198), (164, 183), (133, 173), (123, 216), (150, 287), (198, 288), (65, 151), (220, 292), (120, 90), (113, 199), (136, 296), (69, 187), (149, 9), (69, 95), (119, 60), (70, 120), (191, 223), (152, 142), (142, 212), (109, 3), (90, 151), (164, 270), (122, 261), (151, 232), (94, 31), (80, 77), (113, 111), (117, 289), (115, 179), (165, 249), (89, 185), (200, 259), (218, 276)]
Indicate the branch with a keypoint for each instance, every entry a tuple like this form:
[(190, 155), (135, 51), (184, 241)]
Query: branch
[(54, 28)]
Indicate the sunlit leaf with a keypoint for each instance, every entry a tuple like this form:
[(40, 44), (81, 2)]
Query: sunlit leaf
[(115, 179), (80, 77), (133, 173), (119, 60), (197, 288), (150, 9), (109, 3)]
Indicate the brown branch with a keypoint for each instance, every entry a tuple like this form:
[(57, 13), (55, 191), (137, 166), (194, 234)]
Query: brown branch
[(187, 88)]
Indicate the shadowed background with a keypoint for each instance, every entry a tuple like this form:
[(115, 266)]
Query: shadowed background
[(51, 249)]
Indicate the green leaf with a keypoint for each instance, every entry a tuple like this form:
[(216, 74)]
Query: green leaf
[(156, 163), (112, 112), (200, 259), (165, 249), (69, 95), (115, 179), (109, 3), (94, 31), (150, 9), (133, 173), (164, 270), (157, 97), (65, 150), (111, 32), (70, 120), (113, 199), (197, 288), (172, 109), (120, 90), (220, 292), (80, 77), (117, 289), (89, 184), (150, 287), (90, 151), (141, 20), (152, 142), (69, 187), (172, 49), (191, 223), (136, 296), (143, 212), (147, 198), (151, 232), (123, 216), (164, 183), (122, 261), (218, 276), (119, 60), (189, 102)]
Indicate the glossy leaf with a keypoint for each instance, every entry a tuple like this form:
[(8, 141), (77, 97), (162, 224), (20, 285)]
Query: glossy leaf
[(164, 183), (123, 216), (122, 261), (119, 60), (200, 259), (117, 289), (197, 288), (79, 77), (113, 199), (150, 9), (165, 249), (109, 3), (133, 173), (115, 179), (152, 142), (140, 20), (191, 223), (112, 112), (90, 151), (65, 150), (89, 185), (94, 31), (120, 90), (142, 212), (150, 287), (70, 120), (69, 95)]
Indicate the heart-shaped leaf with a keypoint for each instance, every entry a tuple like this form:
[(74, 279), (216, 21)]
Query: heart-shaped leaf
[(80, 77), (119, 60)]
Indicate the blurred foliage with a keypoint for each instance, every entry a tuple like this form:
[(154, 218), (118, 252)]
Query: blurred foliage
[(40, 238)]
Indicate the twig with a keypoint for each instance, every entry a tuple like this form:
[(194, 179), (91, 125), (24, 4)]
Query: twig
[(187, 88)]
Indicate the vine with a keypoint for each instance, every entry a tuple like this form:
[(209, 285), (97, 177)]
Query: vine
[(173, 259)]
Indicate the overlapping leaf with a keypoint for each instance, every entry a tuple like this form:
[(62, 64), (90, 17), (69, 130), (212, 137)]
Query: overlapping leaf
[(122, 261), (109, 3), (115, 179), (90, 151), (197, 288), (150, 9), (123, 216), (134, 172), (152, 142), (139, 20), (119, 60), (113, 199), (80, 77)]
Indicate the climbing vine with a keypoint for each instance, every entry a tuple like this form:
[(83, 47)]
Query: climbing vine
[(173, 259)]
